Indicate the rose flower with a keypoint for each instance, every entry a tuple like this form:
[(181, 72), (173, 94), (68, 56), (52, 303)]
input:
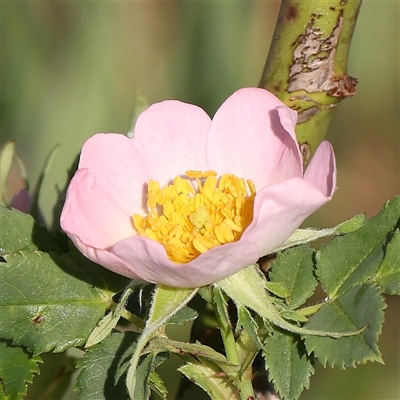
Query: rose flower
[(189, 201)]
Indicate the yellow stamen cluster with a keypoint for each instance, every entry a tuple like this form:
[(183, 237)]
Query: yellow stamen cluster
[(188, 222)]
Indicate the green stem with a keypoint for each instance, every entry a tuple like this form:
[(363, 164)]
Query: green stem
[(245, 388), (307, 63)]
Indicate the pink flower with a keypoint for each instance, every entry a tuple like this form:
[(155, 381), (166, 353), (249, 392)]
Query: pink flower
[(251, 136)]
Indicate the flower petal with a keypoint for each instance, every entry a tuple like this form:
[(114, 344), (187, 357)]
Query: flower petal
[(105, 258), (150, 262), (321, 172), (171, 137), (252, 136), (91, 215), (280, 209), (114, 162)]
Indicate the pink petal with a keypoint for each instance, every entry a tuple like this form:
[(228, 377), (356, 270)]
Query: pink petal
[(171, 137), (280, 209), (252, 136), (115, 163), (91, 215), (105, 258), (321, 172), (149, 261)]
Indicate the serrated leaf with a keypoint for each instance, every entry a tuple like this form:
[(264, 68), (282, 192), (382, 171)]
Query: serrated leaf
[(208, 377), (48, 302), (247, 288), (349, 260), (104, 366), (288, 365), (143, 371), (197, 350), (294, 269), (17, 368), (388, 275), (362, 306), (20, 232)]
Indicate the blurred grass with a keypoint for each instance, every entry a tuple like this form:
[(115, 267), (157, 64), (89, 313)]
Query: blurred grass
[(69, 70)]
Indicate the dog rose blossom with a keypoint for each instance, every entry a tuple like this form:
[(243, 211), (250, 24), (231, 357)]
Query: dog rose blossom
[(189, 201)]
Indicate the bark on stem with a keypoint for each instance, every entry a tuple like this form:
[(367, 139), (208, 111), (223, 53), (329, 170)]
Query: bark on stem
[(307, 63)]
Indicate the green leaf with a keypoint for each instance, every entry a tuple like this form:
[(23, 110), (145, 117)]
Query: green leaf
[(184, 315), (17, 368), (349, 260), (146, 378), (351, 225), (48, 301), (247, 288), (109, 322), (104, 366), (288, 365), (20, 232), (294, 269), (167, 301), (362, 306), (143, 371), (278, 289), (388, 275), (208, 376), (303, 236)]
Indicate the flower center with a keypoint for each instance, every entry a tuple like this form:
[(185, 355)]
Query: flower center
[(188, 222)]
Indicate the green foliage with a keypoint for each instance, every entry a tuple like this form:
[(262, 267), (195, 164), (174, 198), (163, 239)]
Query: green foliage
[(104, 366), (360, 307), (109, 322), (388, 275), (295, 271), (56, 301), (20, 232), (50, 300), (349, 260), (17, 368), (287, 362), (50, 305)]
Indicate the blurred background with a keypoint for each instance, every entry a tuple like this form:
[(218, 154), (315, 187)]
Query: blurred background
[(70, 69)]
